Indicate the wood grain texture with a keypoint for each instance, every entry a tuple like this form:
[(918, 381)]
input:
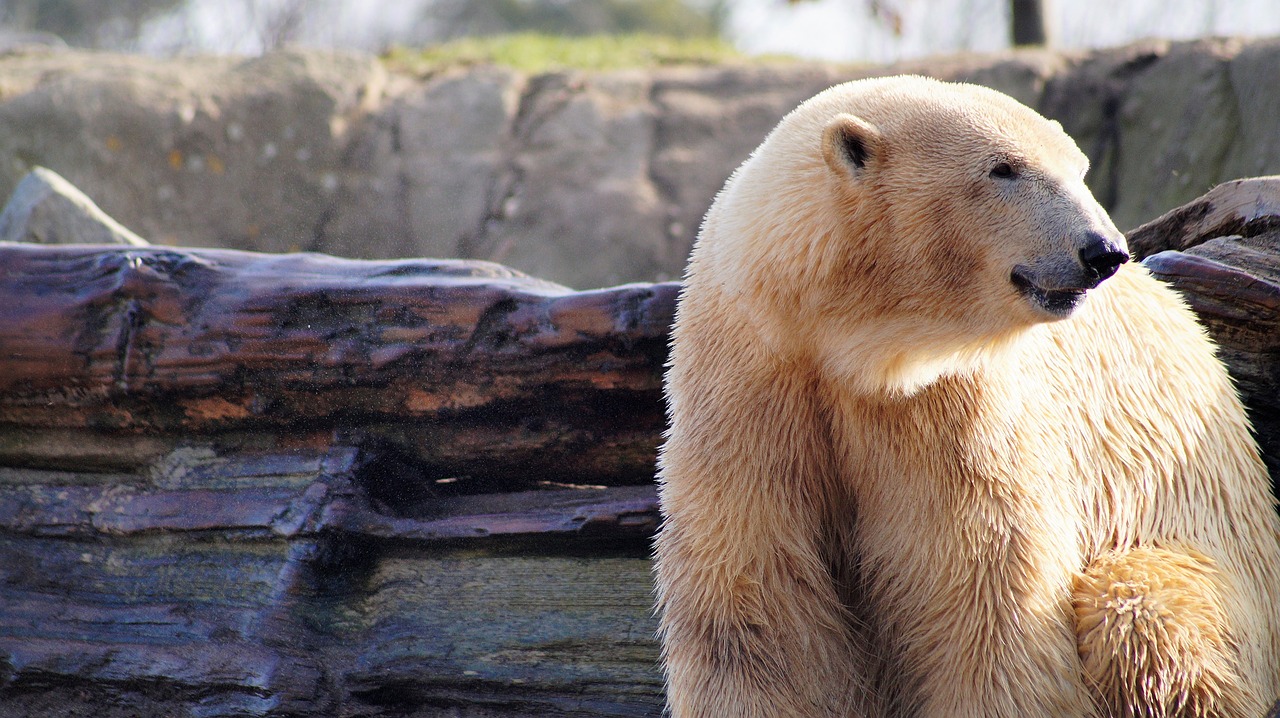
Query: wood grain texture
[(468, 367), (274, 584), (207, 627), (1233, 284), (1244, 207), (303, 494), (238, 484)]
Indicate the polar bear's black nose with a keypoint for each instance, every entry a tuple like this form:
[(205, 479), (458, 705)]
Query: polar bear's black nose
[(1102, 256)]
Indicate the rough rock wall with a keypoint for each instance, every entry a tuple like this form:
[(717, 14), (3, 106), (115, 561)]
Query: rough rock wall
[(588, 179)]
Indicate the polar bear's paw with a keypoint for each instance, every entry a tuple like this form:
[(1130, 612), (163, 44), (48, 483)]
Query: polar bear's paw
[(1154, 640)]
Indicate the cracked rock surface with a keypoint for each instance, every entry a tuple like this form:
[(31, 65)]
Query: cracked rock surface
[(587, 179)]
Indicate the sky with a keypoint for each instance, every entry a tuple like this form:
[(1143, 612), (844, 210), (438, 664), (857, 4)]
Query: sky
[(839, 30)]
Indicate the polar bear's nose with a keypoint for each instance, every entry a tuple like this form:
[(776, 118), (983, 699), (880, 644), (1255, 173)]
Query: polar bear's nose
[(1102, 256)]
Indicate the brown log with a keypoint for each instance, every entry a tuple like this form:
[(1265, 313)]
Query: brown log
[(1222, 252), (469, 368), (152, 627), (328, 494), (1244, 207), (232, 585), (1233, 284)]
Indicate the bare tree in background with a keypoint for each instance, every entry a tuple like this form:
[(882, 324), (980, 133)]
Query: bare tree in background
[(1029, 19), (1029, 22), (884, 11), (117, 25), (884, 30), (277, 22)]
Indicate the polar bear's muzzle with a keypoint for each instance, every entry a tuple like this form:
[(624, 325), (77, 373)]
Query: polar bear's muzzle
[(1101, 257), (1058, 288)]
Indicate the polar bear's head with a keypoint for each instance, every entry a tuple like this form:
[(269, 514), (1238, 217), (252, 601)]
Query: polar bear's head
[(910, 223), (992, 194)]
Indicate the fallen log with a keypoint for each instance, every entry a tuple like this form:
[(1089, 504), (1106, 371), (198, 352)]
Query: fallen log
[(1244, 207), (277, 584), (1222, 252), (244, 484), (469, 369)]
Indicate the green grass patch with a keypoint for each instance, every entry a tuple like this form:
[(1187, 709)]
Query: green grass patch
[(534, 53)]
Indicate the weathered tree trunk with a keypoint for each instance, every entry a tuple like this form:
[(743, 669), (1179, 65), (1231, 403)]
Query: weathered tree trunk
[(1029, 22), (468, 369), (1222, 251), (244, 484)]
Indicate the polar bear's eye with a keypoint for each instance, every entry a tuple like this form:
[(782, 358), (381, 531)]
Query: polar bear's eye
[(1004, 170)]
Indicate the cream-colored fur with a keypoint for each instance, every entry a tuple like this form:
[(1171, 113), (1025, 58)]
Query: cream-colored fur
[(895, 486)]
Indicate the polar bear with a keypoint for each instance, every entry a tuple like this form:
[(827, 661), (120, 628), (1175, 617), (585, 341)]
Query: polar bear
[(935, 449)]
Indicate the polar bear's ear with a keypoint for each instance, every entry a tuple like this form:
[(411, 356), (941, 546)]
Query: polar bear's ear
[(848, 144)]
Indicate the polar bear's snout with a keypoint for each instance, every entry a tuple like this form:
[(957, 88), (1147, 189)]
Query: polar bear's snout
[(1058, 286), (1101, 257), (1056, 280)]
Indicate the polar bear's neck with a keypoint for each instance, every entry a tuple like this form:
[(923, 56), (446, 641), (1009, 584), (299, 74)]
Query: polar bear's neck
[(880, 358), (890, 361)]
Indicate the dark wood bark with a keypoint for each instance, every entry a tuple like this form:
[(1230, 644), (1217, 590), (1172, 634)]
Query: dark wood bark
[(1244, 207), (468, 368), (275, 584), (243, 484)]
